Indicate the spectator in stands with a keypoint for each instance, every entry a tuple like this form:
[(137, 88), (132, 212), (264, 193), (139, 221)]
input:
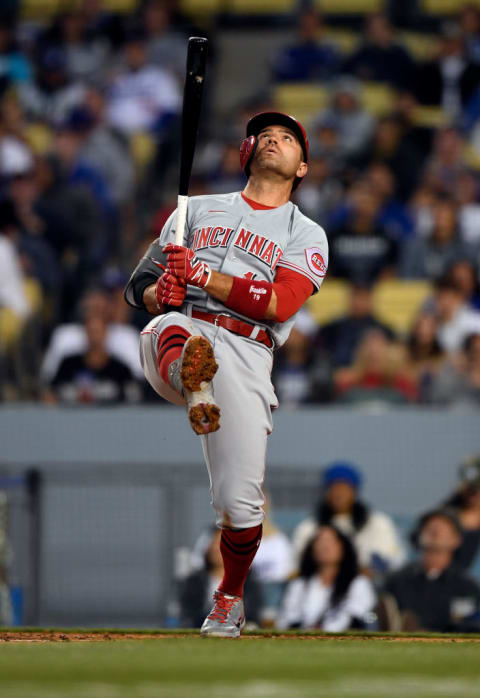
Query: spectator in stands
[(67, 147), (464, 274), (393, 215), (325, 142), (455, 320), (14, 65), (446, 162), (450, 80), (403, 156), (227, 176), (431, 257), (469, 20), (330, 593), (458, 383), (143, 96), (465, 501), (340, 339), (312, 57), (86, 54), (70, 338), (102, 24), (379, 58), (318, 196), (273, 566), (416, 136), (421, 207), (292, 366), (425, 355), (372, 532), (93, 377), (353, 124), (12, 292), (360, 249), (52, 95), (166, 45), (66, 219), (378, 374), (102, 148), (466, 196), (431, 593), (197, 588)]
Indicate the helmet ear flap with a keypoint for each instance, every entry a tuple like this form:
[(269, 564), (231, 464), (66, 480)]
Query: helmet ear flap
[(247, 151)]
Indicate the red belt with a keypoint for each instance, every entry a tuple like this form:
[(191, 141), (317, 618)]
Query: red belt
[(244, 329)]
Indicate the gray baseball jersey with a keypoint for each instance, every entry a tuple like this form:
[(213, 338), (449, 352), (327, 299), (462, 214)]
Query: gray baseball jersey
[(238, 240)]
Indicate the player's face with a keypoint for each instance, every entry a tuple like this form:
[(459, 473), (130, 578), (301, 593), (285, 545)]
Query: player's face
[(279, 150)]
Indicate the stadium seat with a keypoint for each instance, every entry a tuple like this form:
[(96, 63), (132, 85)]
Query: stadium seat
[(38, 137), (142, 149), (258, 7), (430, 117), (397, 303), (420, 46), (331, 303), (10, 324), (43, 9), (345, 41), (201, 8), (472, 157), (10, 328), (377, 97), (305, 100), (443, 7), (349, 7)]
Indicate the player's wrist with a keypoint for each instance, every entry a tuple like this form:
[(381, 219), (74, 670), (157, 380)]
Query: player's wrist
[(150, 300)]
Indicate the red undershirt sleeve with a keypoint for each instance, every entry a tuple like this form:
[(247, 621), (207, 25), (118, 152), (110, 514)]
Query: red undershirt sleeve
[(292, 290)]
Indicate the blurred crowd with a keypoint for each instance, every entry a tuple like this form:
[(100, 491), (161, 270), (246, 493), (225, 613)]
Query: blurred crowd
[(90, 102), (349, 566)]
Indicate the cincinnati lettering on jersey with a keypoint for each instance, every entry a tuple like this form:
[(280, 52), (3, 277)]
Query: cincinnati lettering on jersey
[(260, 247)]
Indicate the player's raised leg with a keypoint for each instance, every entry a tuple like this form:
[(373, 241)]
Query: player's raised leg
[(179, 363)]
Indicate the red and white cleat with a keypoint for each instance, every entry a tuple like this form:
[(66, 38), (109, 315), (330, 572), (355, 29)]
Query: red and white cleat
[(197, 369), (227, 617)]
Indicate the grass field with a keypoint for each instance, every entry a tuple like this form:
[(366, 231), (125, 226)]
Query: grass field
[(186, 666)]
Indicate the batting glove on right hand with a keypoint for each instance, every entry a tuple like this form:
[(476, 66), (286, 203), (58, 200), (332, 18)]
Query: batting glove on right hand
[(183, 262), (170, 290)]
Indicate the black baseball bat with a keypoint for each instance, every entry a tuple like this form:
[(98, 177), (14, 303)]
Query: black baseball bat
[(192, 102)]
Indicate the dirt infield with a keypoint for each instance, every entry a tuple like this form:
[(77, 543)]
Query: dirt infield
[(26, 636)]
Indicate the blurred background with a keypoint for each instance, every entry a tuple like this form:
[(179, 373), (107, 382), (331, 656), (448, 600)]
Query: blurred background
[(100, 513)]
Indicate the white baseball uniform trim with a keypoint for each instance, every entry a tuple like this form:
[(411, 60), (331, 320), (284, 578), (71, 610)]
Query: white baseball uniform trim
[(316, 281), (182, 205)]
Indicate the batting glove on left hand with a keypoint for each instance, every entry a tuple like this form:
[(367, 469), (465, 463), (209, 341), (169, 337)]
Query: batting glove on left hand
[(183, 263), (170, 290)]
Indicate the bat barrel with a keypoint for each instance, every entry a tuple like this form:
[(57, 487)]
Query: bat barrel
[(192, 102), (196, 56)]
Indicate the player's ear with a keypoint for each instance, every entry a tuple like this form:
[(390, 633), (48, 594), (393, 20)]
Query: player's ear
[(302, 170)]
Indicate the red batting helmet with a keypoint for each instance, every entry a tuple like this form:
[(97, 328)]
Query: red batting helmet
[(269, 118)]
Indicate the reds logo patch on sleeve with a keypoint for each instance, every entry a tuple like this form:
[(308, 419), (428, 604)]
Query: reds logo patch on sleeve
[(315, 261)]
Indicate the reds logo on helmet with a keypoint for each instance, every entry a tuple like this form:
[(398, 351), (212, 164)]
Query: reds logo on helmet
[(315, 261)]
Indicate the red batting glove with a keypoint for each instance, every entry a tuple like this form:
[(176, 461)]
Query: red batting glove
[(170, 290), (182, 262)]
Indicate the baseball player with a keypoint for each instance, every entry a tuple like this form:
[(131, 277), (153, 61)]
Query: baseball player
[(249, 262)]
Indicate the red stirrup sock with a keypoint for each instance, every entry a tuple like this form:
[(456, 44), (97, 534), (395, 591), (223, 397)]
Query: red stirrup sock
[(238, 548), (169, 348)]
